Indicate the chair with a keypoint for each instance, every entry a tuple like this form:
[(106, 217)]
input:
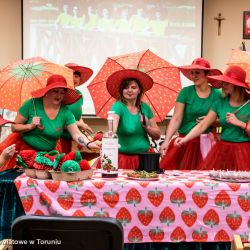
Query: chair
[(71, 233), (238, 245)]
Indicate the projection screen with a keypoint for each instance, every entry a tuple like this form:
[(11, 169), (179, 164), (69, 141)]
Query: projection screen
[(88, 31)]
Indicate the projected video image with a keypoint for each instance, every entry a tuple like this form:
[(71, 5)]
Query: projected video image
[(87, 32)]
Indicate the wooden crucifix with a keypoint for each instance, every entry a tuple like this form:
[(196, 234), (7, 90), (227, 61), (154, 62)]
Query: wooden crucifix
[(219, 19)]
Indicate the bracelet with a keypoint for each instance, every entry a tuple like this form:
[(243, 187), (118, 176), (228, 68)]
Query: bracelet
[(87, 145)]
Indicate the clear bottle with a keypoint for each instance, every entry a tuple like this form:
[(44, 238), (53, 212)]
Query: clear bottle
[(109, 152)]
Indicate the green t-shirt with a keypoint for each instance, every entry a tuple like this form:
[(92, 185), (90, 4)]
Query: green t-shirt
[(132, 137), (46, 139), (195, 106), (76, 109), (230, 132)]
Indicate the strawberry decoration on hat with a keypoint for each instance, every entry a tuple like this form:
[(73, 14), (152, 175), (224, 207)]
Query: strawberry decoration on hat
[(70, 166), (42, 162), (59, 160), (26, 158), (76, 156)]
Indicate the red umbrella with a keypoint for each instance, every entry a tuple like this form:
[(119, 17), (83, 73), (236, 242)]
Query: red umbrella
[(242, 59), (19, 78), (161, 97)]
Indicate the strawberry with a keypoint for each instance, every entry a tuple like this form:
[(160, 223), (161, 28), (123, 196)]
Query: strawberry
[(133, 196), (27, 202), (244, 202), (98, 136), (189, 184), (211, 218), (78, 213), (189, 217), (101, 214), (178, 197), (222, 199), (52, 185), (135, 235), (178, 235), (98, 184), (124, 216), (31, 183), (88, 199), (65, 200), (84, 165), (234, 186), (44, 199), (167, 216), (221, 236), (248, 223), (200, 198), (17, 184), (145, 216), (38, 212), (234, 220), (156, 234), (155, 197), (111, 198), (199, 235), (144, 183)]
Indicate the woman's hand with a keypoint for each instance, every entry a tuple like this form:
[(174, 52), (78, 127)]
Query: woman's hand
[(86, 128), (94, 145), (164, 147), (232, 119), (179, 141), (36, 121), (8, 152)]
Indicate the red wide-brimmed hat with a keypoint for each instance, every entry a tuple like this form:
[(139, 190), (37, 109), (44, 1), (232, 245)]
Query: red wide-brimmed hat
[(200, 63), (234, 75), (114, 80), (85, 73), (3, 121), (58, 81)]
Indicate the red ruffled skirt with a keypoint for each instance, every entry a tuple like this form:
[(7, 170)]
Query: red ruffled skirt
[(185, 157), (13, 138), (228, 155), (64, 145)]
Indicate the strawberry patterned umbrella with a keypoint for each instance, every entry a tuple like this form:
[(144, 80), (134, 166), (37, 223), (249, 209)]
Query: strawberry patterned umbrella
[(161, 97), (19, 78), (242, 59)]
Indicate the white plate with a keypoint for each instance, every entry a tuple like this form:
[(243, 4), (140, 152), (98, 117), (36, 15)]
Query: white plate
[(231, 180), (143, 179)]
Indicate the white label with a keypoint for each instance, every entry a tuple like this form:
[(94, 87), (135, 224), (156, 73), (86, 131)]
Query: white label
[(109, 159)]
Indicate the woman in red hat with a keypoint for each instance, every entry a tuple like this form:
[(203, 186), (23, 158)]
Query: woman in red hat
[(81, 75), (9, 151), (233, 151), (40, 120), (133, 119), (192, 104)]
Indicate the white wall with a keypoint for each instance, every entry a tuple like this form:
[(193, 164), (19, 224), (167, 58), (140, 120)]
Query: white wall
[(10, 31), (217, 48)]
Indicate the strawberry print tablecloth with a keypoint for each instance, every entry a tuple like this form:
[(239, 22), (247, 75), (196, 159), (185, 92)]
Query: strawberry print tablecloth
[(180, 206)]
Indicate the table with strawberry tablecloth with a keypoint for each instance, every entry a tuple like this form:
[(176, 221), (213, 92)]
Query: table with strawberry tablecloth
[(179, 206)]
